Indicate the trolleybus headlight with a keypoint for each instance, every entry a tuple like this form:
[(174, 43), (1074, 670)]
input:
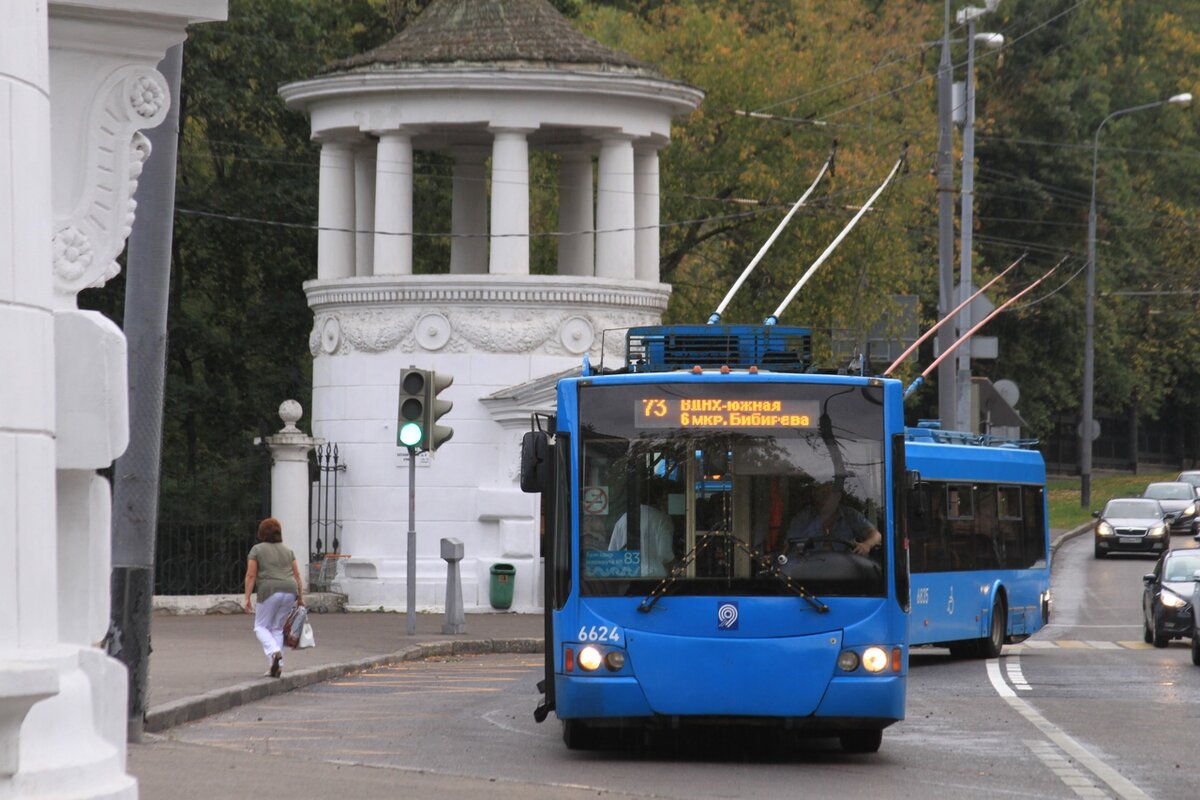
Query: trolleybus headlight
[(614, 660), (848, 660), (1104, 529), (590, 659), (875, 659)]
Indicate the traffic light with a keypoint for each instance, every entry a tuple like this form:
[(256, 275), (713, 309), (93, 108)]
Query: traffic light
[(420, 409), (435, 409), (414, 390)]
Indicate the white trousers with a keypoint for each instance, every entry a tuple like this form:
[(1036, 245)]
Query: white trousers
[(268, 621)]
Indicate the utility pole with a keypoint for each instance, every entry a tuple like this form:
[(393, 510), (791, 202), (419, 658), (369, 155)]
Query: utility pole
[(945, 174), (135, 490)]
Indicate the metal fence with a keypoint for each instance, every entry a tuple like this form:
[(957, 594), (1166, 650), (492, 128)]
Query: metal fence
[(202, 558), (325, 529)]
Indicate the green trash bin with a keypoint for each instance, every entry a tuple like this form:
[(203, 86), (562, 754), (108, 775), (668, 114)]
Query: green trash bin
[(503, 577)]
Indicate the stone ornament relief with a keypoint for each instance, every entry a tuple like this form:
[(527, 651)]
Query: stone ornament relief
[(518, 331), (87, 243)]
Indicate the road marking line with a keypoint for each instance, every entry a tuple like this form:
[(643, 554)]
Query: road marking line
[(1105, 645), (1124, 788), (1015, 676)]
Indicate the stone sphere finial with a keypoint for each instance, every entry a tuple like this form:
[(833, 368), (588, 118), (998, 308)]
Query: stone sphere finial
[(290, 412)]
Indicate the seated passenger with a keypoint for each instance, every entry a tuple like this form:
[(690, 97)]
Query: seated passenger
[(658, 534), (826, 518)]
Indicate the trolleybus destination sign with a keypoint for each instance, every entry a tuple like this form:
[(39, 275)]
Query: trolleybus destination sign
[(658, 411)]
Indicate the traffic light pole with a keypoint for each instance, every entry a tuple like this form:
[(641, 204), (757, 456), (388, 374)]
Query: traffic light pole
[(412, 541)]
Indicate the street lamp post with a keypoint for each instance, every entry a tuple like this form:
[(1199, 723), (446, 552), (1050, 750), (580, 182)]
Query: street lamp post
[(1086, 412), (992, 41)]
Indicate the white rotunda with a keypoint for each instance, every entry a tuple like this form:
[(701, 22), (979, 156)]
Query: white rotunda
[(484, 82)]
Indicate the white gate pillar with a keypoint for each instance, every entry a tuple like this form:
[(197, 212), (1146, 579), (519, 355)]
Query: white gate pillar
[(289, 482)]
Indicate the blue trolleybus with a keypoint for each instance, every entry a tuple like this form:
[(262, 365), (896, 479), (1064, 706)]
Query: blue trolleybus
[(686, 580), (674, 593), (979, 546)]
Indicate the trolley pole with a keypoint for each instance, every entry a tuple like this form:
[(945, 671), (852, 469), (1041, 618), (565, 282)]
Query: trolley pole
[(412, 541)]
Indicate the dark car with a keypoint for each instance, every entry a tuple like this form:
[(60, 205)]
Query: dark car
[(1131, 525), (1192, 477), (1167, 597), (1178, 499)]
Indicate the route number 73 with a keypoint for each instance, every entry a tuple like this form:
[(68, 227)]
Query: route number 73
[(599, 633)]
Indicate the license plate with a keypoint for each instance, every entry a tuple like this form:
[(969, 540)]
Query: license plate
[(1129, 540)]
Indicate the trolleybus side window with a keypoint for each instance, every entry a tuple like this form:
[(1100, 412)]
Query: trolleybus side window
[(562, 520)]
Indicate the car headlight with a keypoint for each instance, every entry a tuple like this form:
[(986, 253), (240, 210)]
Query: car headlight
[(1171, 600), (1158, 530), (1104, 529), (1190, 511)]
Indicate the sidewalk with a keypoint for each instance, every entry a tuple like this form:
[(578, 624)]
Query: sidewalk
[(201, 664)]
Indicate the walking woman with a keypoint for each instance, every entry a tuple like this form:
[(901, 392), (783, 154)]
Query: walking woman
[(271, 568)]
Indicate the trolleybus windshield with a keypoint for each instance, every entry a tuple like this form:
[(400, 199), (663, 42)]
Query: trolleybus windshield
[(731, 489)]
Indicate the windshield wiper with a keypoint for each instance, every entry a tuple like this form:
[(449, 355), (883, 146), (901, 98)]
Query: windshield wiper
[(767, 563)]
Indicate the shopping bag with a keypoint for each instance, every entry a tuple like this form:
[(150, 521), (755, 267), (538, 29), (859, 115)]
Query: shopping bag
[(293, 626), (306, 637)]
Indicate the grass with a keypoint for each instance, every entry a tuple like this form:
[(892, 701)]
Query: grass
[(1064, 494)]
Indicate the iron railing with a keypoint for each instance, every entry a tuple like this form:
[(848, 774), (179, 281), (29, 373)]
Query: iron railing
[(325, 530), (202, 558)]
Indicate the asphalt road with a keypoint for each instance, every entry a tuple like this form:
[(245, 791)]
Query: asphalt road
[(1083, 709)]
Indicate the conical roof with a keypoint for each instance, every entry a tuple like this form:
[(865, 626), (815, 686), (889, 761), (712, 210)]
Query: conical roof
[(493, 33)]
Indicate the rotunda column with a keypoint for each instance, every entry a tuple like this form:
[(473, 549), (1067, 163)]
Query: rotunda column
[(335, 211), (576, 220), (364, 209), (394, 203), (646, 213), (510, 202), (615, 210), (469, 214)]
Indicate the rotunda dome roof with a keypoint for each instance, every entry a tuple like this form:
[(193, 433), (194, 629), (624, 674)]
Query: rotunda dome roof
[(510, 33)]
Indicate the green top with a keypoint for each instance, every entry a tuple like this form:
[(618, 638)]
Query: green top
[(274, 569)]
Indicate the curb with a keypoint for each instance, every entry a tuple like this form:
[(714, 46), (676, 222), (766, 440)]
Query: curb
[(190, 709), (1065, 537)]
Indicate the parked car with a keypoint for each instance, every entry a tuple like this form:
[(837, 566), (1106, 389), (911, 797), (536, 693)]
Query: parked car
[(1178, 499), (1196, 619), (1192, 477), (1167, 597), (1131, 525)]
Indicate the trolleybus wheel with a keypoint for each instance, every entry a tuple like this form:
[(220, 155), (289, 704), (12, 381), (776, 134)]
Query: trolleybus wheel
[(577, 735), (862, 741), (990, 645)]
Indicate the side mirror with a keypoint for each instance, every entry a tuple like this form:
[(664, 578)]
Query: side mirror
[(1196, 575), (1148, 578), (1096, 514), (535, 451)]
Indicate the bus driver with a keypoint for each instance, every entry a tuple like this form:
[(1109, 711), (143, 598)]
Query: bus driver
[(826, 518)]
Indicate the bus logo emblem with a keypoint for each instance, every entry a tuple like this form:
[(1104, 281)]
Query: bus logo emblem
[(727, 616)]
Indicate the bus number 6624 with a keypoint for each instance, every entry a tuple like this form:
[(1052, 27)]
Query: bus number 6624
[(599, 633)]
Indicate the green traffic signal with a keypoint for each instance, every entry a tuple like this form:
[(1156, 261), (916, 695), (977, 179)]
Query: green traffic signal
[(410, 434), (414, 387)]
